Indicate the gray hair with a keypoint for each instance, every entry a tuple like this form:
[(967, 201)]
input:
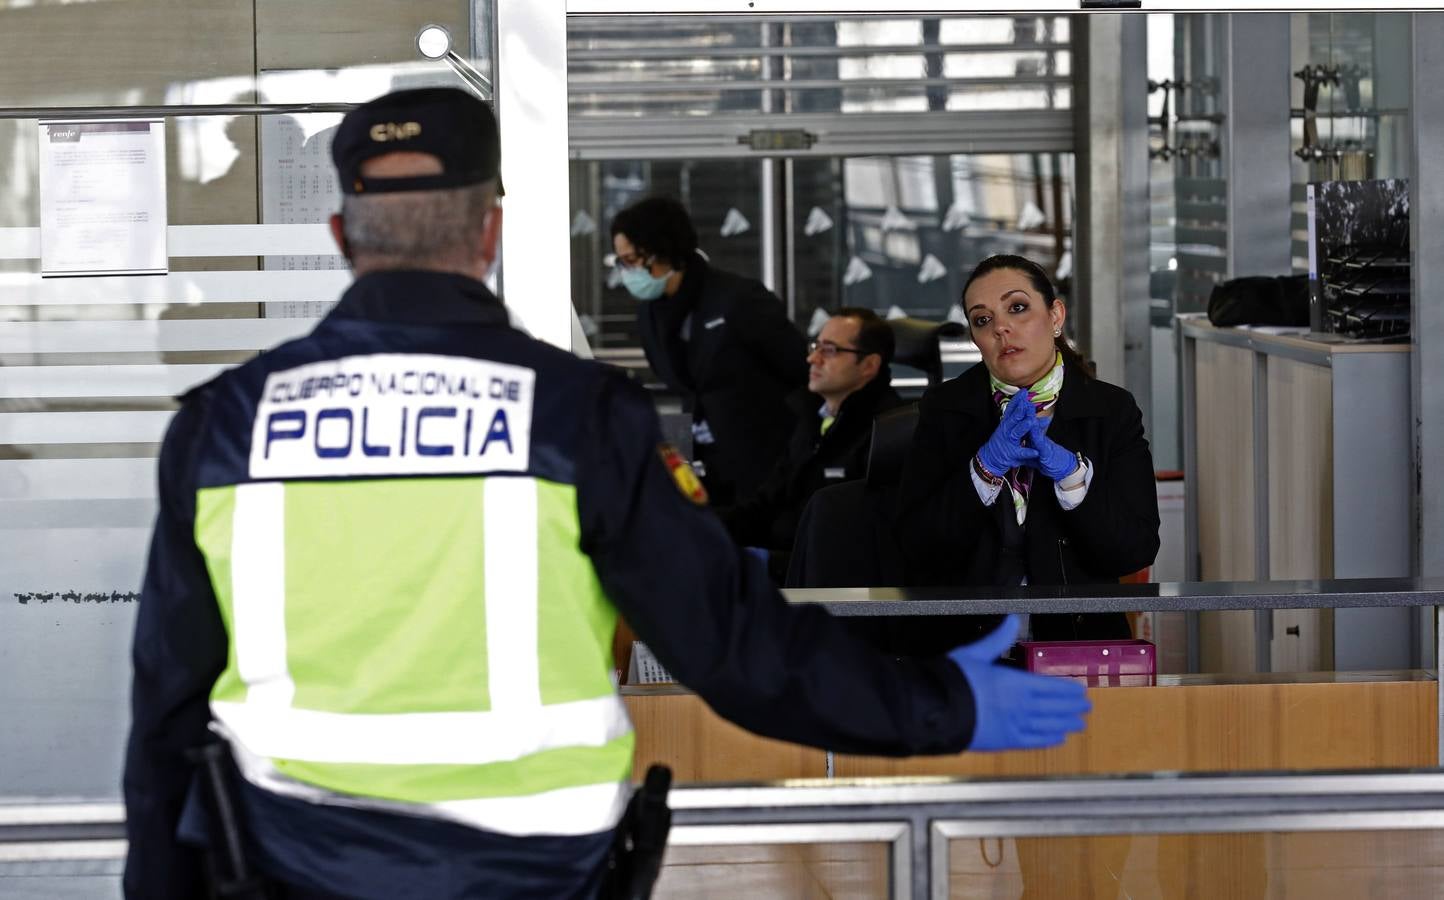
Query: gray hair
[(422, 229)]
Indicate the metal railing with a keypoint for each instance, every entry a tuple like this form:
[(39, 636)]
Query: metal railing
[(916, 819)]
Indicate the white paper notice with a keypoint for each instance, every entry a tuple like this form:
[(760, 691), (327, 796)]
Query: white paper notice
[(102, 198)]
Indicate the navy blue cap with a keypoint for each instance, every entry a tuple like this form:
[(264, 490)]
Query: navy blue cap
[(450, 124)]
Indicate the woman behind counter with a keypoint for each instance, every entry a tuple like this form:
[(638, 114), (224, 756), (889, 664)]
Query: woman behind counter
[(1026, 469)]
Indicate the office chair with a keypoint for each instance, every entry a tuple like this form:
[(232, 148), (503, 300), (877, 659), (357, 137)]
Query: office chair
[(916, 344)]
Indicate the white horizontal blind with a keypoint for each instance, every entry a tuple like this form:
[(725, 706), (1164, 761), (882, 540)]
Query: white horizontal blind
[(669, 86), (89, 372), (90, 369)]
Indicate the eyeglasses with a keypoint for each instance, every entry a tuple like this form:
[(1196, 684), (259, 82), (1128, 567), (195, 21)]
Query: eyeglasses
[(828, 349), (630, 262)]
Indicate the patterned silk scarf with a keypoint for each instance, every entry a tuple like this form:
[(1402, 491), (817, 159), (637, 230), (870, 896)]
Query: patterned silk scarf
[(1044, 394)]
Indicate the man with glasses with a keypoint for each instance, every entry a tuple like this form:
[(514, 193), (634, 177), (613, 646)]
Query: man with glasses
[(720, 341), (848, 384)]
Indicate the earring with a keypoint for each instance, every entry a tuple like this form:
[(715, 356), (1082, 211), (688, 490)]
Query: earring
[(1057, 332)]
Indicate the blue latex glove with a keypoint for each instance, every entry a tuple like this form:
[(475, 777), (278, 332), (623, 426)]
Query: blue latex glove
[(1017, 710), (1053, 460), (1004, 449)]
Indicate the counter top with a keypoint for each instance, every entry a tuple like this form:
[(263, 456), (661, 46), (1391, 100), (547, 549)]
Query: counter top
[(1348, 593), (1311, 347)]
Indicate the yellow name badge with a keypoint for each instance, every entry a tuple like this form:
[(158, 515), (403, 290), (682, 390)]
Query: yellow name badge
[(686, 480)]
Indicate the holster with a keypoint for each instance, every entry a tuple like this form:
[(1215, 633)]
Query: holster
[(640, 840), (231, 874)]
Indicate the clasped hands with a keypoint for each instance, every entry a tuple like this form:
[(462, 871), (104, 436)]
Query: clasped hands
[(1005, 449)]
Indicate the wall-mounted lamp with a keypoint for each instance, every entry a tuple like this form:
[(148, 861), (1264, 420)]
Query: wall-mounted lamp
[(434, 42)]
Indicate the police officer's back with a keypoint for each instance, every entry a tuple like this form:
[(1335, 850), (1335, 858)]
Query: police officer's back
[(388, 564)]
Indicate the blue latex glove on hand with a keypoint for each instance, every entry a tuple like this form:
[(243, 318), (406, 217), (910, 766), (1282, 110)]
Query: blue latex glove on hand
[(1004, 449), (1053, 460), (1016, 710)]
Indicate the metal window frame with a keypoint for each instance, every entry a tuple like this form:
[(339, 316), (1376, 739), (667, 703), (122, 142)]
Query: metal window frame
[(838, 135), (936, 810), (872, 9), (897, 835), (608, 54)]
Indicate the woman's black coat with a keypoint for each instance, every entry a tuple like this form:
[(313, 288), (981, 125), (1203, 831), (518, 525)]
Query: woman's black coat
[(950, 538)]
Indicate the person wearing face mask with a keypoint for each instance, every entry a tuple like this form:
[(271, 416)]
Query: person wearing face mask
[(720, 341), (1027, 469)]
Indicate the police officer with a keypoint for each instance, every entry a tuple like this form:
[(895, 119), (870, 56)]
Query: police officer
[(389, 561)]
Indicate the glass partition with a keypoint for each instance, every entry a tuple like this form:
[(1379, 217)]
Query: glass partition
[(815, 153), (1324, 865), (894, 234), (90, 366), (683, 66)]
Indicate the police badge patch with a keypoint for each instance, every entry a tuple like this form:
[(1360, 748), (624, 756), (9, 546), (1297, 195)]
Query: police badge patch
[(681, 470)]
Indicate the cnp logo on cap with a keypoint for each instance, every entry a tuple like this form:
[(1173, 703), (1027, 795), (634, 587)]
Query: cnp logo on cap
[(391, 131), (453, 125)]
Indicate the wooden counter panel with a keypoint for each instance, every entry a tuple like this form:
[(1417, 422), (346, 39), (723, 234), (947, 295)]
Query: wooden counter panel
[(680, 730), (1191, 727), (1215, 728)]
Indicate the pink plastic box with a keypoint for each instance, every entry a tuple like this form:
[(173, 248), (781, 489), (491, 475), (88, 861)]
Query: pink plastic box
[(1099, 663)]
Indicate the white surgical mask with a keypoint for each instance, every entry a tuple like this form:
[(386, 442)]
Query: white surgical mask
[(643, 285)]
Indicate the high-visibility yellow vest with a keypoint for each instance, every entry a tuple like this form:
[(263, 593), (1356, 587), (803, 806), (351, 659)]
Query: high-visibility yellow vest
[(439, 646)]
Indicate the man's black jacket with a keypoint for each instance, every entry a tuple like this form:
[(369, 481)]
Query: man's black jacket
[(769, 516), (950, 538), (741, 359), (708, 612)]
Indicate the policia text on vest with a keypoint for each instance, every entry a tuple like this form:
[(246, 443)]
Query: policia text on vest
[(391, 413)]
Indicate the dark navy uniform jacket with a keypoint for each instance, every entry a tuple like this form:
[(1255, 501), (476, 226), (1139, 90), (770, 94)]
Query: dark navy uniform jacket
[(708, 612)]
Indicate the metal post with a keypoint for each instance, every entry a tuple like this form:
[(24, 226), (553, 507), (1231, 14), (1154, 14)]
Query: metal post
[(789, 236), (930, 861), (1426, 241), (1263, 618), (1256, 84), (1111, 228), (1187, 417), (768, 187), (531, 107)]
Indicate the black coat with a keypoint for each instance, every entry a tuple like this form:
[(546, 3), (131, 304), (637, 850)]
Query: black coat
[(951, 538), (742, 360), (768, 517)]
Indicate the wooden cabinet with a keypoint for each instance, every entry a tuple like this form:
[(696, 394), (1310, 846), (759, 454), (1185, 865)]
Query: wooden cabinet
[(1296, 459)]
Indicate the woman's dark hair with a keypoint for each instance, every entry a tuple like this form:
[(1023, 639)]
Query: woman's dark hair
[(1072, 359), (660, 227)]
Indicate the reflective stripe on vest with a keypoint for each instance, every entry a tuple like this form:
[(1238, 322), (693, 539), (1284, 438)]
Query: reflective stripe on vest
[(578, 810), (439, 643)]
